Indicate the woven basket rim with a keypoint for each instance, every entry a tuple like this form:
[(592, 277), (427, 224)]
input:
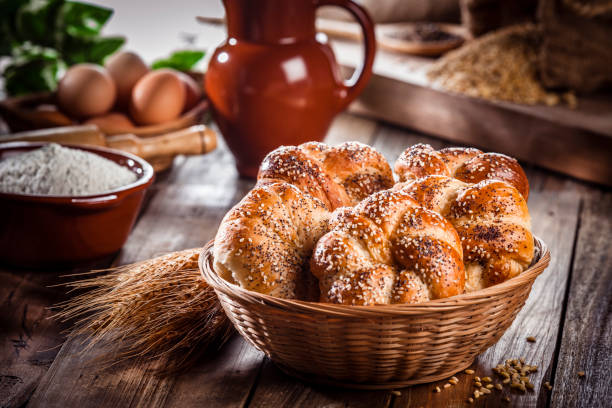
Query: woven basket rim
[(539, 264)]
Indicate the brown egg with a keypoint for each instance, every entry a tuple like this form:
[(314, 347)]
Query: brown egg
[(126, 68), (112, 123), (158, 97), (193, 92), (86, 90)]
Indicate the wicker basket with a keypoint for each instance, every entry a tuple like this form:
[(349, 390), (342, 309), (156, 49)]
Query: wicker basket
[(375, 347)]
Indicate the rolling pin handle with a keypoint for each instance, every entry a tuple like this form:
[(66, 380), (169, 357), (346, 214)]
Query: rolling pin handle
[(208, 139)]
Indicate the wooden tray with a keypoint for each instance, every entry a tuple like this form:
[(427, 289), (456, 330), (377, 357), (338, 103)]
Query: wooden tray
[(576, 142)]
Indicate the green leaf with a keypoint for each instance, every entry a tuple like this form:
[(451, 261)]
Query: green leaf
[(28, 51), (36, 21), (180, 60), (9, 7), (81, 19), (103, 47), (43, 36), (33, 69), (6, 39), (90, 49), (7, 24)]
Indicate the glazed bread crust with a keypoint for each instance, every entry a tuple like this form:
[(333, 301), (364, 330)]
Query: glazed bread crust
[(388, 249), (337, 175), (492, 219), (457, 223), (264, 243), (465, 164)]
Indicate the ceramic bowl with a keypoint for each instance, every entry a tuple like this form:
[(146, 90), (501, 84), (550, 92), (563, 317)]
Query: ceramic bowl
[(51, 231)]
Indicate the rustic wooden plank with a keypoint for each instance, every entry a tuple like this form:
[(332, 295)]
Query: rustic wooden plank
[(391, 141), (184, 213), (586, 344), (73, 382), (220, 381), (276, 389), (30, 340), (554, 209), (347, 127)]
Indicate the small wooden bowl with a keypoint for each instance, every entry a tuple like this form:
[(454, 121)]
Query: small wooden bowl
[(51, 231), (389, 38), (20, 114), (375, 347)]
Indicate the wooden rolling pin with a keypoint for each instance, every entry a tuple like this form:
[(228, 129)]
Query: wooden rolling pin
[(197, 139)]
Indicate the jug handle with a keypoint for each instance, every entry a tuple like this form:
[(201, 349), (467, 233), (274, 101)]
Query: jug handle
[(353, 86)]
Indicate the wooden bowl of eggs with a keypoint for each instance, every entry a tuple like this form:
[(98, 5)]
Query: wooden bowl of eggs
[(123, 96)]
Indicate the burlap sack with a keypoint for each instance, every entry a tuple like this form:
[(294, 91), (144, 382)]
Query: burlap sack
[(576, 50)]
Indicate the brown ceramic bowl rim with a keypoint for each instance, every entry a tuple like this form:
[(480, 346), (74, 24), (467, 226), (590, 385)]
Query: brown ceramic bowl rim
[(143, 181)]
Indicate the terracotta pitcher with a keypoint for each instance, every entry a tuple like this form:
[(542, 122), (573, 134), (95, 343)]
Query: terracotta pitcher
[(275, 81)]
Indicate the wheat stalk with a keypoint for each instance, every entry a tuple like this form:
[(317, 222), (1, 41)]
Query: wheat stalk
[(159, 308)]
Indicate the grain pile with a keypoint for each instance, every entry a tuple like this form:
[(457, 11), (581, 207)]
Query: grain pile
[(514, 374), (501, 65)]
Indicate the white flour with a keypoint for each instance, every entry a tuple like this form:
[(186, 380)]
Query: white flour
[(57, 170)]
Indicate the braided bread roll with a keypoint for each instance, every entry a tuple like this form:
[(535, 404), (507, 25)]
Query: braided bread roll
[(388, 249), (465, 164), (492, 219), (265, 242), (338, 176)]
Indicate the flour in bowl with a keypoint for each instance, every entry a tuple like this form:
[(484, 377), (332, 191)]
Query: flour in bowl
[(61, 171)]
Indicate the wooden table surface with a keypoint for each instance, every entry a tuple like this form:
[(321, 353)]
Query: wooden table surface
[(568, 311)]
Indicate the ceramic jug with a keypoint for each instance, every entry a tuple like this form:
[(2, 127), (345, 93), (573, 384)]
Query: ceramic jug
[(275, 81)]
